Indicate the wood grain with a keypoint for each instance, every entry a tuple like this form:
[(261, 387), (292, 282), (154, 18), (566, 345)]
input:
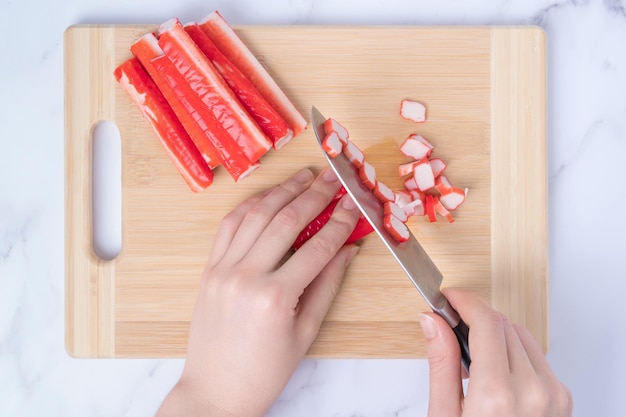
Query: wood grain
[(485, 93)]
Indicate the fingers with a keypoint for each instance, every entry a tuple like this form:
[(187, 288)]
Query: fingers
[(316, 253), (282, 231), (487, 340), (229, 226), (259, 215), (320, 294), (444, 364)]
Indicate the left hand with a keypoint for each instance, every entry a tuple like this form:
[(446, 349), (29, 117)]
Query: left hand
[(257, 314)]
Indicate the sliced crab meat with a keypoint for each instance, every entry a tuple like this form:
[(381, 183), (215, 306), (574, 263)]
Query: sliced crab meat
[(416, 147), (423, 175), (437, 165), (396, 228), (392, 208), (332, 125), (383, 193), (452, 198), (332, 144), (414, 208), (413, 110), (368, 175), (354, 154)]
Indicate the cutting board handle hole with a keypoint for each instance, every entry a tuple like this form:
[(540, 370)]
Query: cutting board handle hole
[(106, 186)]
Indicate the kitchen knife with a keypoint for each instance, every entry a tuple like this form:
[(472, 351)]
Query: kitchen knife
[(410, 255)]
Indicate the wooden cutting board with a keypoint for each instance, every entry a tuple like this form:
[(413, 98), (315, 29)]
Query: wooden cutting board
[(484, 88)]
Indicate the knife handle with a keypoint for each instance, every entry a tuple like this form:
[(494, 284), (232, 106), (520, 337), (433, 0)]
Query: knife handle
[(452, 317), (462, 334)]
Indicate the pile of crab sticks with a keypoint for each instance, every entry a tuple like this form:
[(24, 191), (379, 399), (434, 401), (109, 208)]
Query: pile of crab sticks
[(208, 99)]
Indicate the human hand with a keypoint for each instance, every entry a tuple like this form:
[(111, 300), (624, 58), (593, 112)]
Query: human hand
[(510, 376), (257, 314)]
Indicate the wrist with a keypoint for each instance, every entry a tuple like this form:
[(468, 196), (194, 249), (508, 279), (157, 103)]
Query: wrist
[(182, 400)]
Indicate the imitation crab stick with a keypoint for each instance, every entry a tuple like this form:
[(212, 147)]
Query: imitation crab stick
[(361, 229), (147, 50), (236, 51), (423, 175), (396, 228), (207, 133), (268, 119), (416, 147), (204, 79), (332, 144), (354, 154), (153, 106), (331, 125), (413, 110)]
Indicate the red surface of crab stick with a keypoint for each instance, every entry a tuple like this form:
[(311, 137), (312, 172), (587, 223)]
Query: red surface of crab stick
[(209, 85), (153, 106), (268, 119), (206, 132), (190, 112), (238, 53)]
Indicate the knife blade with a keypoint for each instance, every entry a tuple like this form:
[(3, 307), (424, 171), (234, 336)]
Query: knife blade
[(410, 255)]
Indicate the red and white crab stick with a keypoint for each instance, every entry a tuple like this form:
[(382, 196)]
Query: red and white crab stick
[(172, 135)]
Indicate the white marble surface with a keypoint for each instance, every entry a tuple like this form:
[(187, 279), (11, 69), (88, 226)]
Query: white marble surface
[(587, 149)]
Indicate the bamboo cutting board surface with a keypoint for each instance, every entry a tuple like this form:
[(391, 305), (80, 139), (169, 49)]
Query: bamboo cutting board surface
[(484, 88)]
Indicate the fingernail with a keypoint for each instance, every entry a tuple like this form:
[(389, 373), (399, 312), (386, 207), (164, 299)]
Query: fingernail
[(347, 202), (428, 326), (352, 254), (303, 176), (328, 175)]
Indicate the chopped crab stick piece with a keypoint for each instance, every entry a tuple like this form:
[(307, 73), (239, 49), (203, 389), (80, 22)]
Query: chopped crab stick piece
[(417, 195), (452, 198), (268, 119), (201, 74), (396, 228), (383, 193), (423, 175), (442, 211), (368, 175), (429, 205), (414, 208), (410, 184), (331, 125), (403, 198), (413, 110), (146, 95), (394, 209), (416, 147), (437, 165), (225, 38), (406, 169), (442, 184), (332, 144), (189, 110), (354, 154)]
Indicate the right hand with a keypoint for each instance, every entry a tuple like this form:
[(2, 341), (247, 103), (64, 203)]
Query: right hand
[(510, 376)]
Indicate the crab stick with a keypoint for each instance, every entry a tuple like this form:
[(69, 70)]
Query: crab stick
[(202, 76), (154, 107), (238, 53), (268, 119)]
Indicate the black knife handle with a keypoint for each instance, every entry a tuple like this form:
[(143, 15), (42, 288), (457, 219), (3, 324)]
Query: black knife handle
[(462, 334)]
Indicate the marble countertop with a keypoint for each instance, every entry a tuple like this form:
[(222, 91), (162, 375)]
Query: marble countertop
[(587, 173)]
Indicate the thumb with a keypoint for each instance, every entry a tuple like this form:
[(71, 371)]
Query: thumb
[(444, 363)]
